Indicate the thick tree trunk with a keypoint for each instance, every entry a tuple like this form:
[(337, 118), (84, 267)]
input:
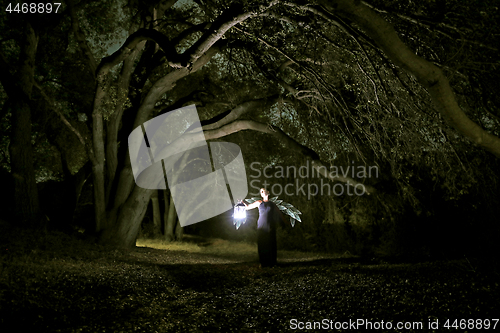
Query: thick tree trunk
[(114, 122), (129, 195), (21, 153), (166, 202), (124, 223), (170, 218), (179, 231), (156, 214), (99, 195)]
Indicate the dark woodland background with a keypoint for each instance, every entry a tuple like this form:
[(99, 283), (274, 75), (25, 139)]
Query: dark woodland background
[(291, 83)]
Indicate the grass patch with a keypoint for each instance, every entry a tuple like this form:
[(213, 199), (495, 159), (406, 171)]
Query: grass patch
[(226, 248), (195, 244)]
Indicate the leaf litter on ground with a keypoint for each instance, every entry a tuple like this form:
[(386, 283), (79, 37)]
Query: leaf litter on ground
[(56, 283)]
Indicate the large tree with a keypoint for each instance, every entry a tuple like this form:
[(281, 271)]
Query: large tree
[(19, 90), (327, 80)]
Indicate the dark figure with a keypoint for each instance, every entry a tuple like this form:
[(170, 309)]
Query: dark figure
[(269, 216)]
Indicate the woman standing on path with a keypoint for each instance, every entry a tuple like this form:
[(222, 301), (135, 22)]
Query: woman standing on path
[(269, 216)]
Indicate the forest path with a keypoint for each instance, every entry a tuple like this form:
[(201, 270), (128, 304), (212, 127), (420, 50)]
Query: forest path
[(58, 284), (196, 250)]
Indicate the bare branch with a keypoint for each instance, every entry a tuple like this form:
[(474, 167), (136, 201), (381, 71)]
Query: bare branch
[(290, 144), (168, 82), (126, 182), (241, 109), (191, 30), (51, 103), (80, 37), (430, 76), (434, 27), (225, 22), (174, 59)]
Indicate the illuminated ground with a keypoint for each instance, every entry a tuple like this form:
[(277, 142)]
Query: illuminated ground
[(61, 285)]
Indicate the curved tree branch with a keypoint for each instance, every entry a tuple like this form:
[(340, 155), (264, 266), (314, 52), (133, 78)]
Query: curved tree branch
[(288, 142), (430, 76), (167, 82), (126, 181), (113, 123), (174, 59), (229, 125), (52, 105), (158, 89), (433, 26), (226, 21), (242, 109), (189, 31)]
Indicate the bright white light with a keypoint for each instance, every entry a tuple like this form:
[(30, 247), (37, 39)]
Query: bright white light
[(240, 214)]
